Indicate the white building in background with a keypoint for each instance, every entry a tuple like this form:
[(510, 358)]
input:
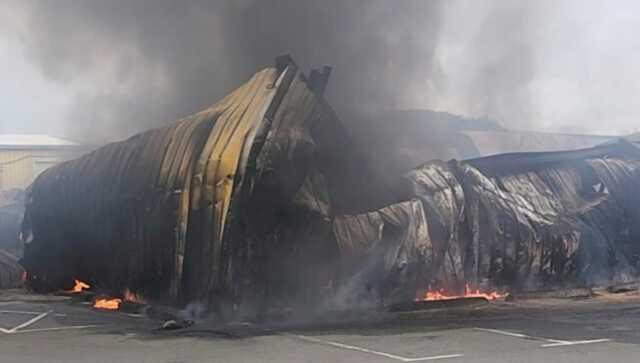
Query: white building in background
[(24, 156)]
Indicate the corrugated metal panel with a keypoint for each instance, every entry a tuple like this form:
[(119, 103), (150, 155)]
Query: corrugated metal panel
[(153, 211), (214, 208)]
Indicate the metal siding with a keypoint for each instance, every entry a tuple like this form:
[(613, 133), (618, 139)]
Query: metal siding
[(144, 206)]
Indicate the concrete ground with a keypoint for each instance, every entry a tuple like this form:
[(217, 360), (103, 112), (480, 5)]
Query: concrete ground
[(602, 329)]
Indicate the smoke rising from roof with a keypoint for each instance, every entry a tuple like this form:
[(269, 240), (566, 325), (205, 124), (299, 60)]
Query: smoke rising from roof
[(134, 64)]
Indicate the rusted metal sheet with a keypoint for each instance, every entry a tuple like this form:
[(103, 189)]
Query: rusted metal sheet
[(509, 222), (385, 250), (203, 209)]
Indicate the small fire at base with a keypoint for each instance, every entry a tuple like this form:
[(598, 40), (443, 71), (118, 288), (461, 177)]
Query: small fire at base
[(79, 286), (435, 295), (107, 304), (115, 303)]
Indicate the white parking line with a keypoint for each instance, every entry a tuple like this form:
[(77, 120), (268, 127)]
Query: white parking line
[(550, 342), (39, 316), (71, 327), (518, 335), (29, 322), (576, 342), (370, 351), (20, 312)]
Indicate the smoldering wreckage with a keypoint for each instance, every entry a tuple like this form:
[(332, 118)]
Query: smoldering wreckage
[(262, 202)]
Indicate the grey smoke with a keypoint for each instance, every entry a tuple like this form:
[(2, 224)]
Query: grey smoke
[(139, 64), (154, 61)]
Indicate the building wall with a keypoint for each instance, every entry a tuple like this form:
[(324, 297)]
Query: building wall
[(20, 166)]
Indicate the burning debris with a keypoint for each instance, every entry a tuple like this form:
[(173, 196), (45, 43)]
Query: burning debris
[(107, 304), (82, 291), (78, 286), (436, 295), (261, 201)]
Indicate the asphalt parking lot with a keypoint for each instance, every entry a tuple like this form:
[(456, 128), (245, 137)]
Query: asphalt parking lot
[(593, 330)]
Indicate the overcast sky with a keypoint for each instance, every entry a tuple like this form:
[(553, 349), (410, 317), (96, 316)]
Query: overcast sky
[(92, 70)]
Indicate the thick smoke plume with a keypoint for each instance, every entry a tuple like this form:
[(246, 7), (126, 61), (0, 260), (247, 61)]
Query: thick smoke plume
[(136, 64), (149, 61), (158, 60)]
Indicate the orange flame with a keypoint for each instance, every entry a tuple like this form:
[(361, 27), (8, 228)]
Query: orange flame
[(107, 304), (79, 286), (433, 295)]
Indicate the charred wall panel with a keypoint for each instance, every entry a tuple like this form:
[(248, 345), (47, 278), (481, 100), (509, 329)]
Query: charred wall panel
[(516, 221), (201, 210)]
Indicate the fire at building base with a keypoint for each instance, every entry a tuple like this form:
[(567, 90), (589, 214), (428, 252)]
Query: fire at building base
[(262, 201)]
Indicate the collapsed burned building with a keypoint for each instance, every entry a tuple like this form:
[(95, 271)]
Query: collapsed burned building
[(230, 206), (262, 200), (511, 222)]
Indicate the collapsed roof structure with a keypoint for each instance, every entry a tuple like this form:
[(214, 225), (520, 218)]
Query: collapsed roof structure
[(515, 221), (262, 200), (227, 206)]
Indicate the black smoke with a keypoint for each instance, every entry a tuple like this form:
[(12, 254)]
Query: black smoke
[(145, 62)]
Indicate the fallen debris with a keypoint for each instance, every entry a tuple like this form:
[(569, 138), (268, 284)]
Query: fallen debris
[(78, 286), (177, 324), (624, 288)]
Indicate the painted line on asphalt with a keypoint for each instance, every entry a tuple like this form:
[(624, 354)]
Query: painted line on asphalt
[(39, 316), (370, 351), (72, 327), (550, 342), (20, 312), (576, 342), (518, 335), (29, 322), (435, 357)]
